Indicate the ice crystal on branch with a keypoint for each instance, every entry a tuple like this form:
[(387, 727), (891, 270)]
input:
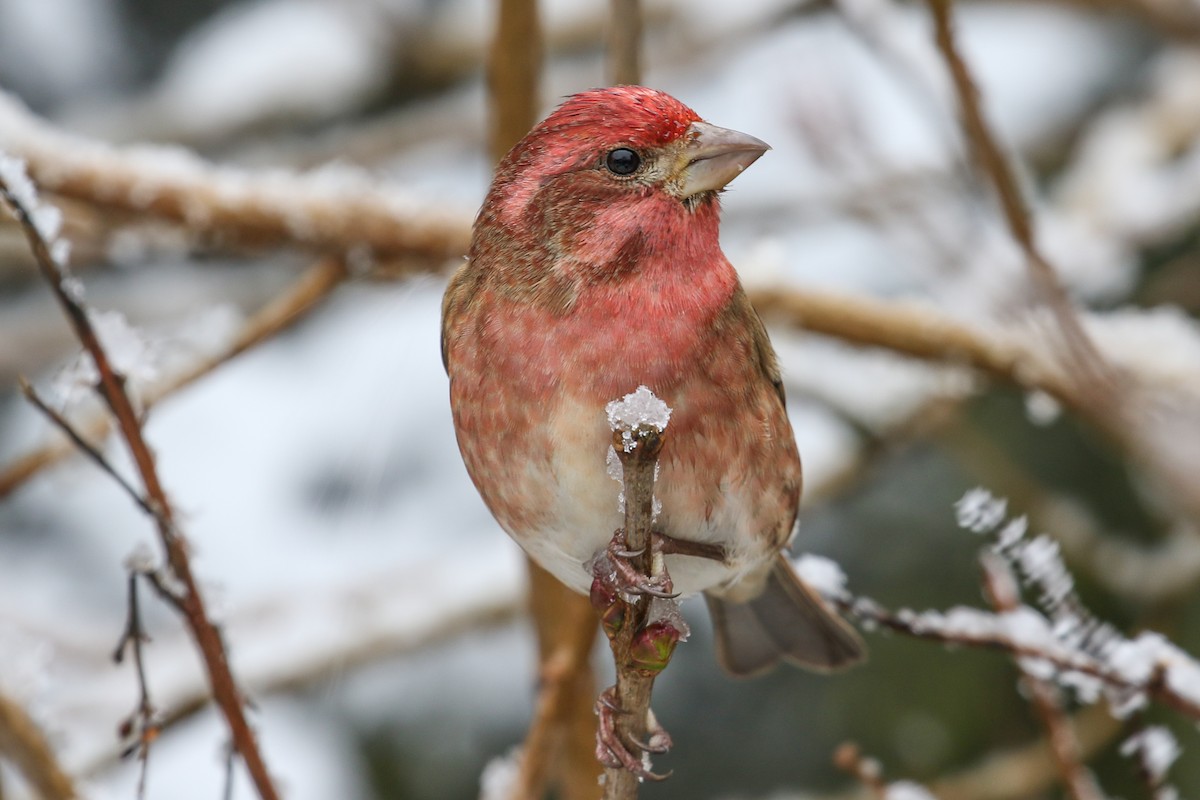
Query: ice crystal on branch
[(823, 574), (130, 352), (980, 511), (1155, 750), (46, 219), (638, 409)]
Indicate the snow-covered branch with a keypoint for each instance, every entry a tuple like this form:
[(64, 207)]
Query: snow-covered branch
[(337, 209)]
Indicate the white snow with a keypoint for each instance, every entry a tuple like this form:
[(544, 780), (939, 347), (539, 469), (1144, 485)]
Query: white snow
[(46, 219), (979, 511), (270, 58), (821, 573), (1156, 748), (129, 352), (639, 409)]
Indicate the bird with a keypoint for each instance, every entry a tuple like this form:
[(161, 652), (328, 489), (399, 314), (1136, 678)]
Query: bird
[(595, 268)]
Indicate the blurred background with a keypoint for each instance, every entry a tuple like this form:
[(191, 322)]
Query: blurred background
[(371, 605)]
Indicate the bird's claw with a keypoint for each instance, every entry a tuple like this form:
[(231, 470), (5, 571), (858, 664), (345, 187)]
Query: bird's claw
[(628, 580), (612, 749)]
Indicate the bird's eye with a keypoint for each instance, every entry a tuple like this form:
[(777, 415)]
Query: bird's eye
[(623, 161)]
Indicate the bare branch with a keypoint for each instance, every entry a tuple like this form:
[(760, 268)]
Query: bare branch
[(1100, 382), (142, 724), (628, 732), (112, 389), (23, 744), (295, 303), (565, 677)]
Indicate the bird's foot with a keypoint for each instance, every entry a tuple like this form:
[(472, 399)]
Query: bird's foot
[(614, 576), (617, 750)]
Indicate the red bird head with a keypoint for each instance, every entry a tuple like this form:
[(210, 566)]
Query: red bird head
[(618, 160)]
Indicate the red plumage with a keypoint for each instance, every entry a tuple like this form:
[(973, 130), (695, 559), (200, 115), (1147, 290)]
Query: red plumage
[(585, 281)]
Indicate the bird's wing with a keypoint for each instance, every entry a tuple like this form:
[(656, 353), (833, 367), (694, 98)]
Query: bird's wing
[(452, 301), (768, 362)]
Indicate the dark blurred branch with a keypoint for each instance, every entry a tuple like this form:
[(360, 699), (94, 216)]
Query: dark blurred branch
[(918, 331), (559, 742), (1026, 771), (513, 74), (142, 724), (1145, 427), (624, 42), (557, 753), (111, 386)]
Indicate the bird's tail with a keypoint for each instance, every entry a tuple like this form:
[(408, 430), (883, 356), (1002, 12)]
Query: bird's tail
[(787, 622)]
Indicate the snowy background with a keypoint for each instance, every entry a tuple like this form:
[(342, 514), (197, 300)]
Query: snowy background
[(370, 602)]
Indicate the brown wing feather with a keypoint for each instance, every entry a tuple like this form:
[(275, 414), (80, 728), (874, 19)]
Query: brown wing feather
[(458, 293)]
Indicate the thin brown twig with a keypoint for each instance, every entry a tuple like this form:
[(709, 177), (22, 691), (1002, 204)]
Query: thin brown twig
[(23, 744), (1099, 384), (81, 444), (142, 724), (513, 74), (1000, 588), (296, 302), (112, 389)]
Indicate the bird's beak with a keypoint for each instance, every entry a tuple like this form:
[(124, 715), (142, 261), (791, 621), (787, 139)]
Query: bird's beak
[(713, 156)]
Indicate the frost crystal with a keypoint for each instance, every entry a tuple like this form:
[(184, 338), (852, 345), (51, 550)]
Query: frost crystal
[(1156, 748), (638, 409), (617, 472), (140, 559), (980, 511), (129, 352), (46, 219), (1011, 534), (822, 574), (1042, 564)]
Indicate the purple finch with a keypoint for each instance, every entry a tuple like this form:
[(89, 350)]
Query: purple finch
[(595, 268)]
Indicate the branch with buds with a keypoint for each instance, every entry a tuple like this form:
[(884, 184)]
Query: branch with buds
[(632, 591)]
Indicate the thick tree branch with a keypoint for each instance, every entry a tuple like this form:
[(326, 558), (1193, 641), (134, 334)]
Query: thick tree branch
[(346, 213)]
